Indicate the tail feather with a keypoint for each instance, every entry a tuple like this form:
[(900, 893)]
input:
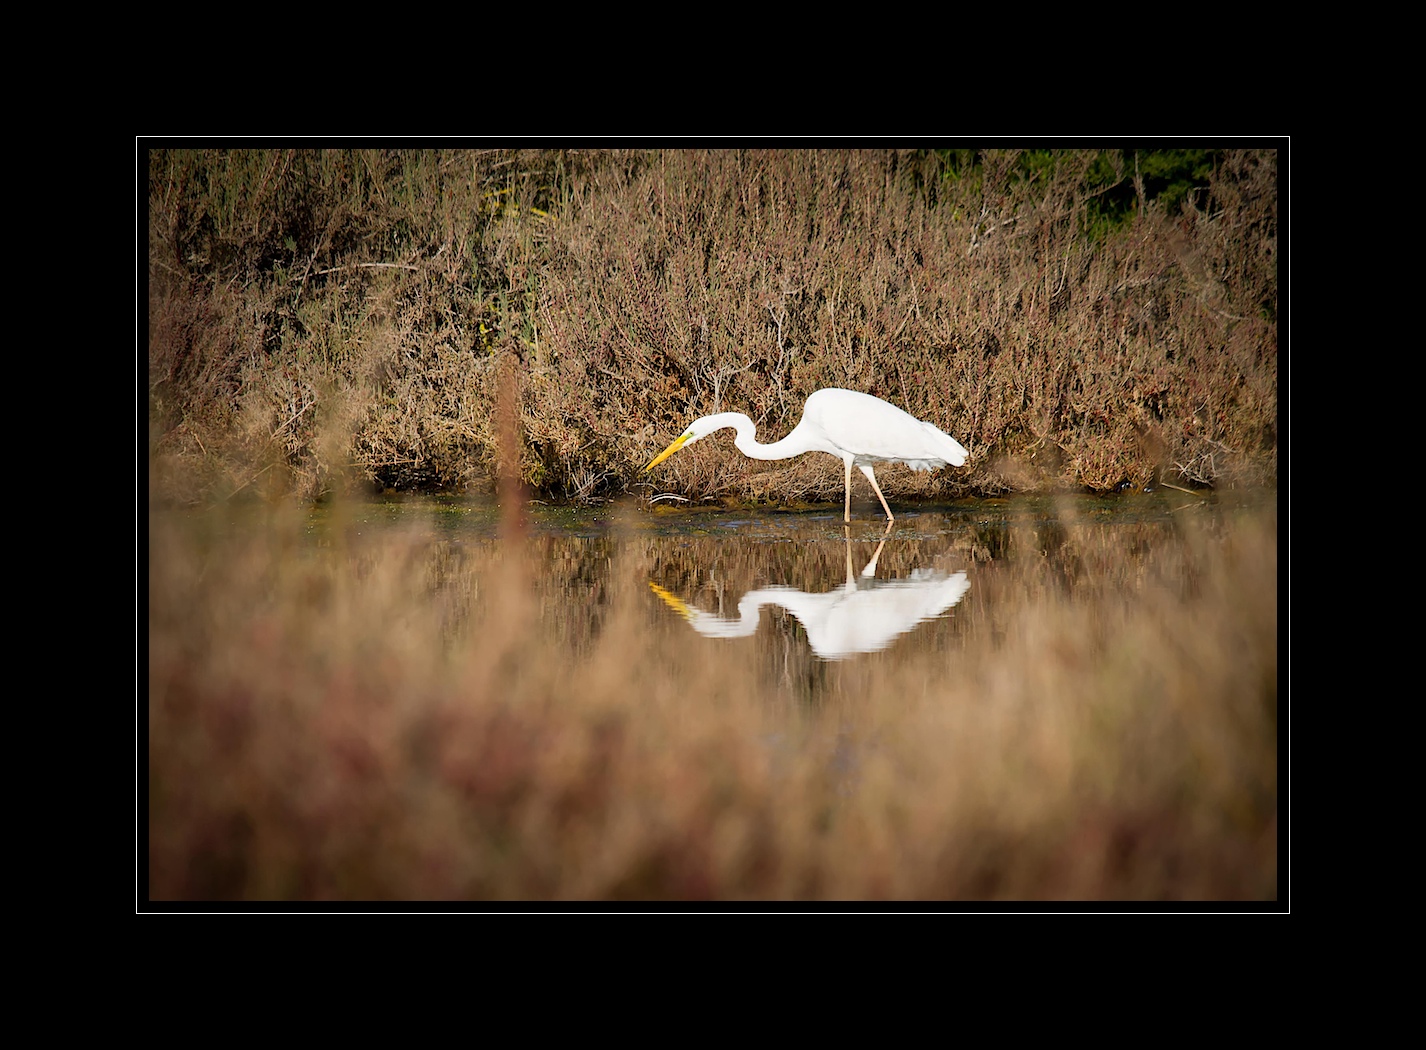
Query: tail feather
[(952, 450)]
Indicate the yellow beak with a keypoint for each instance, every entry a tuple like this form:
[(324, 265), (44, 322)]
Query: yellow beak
[(678, 444), (676, 604)]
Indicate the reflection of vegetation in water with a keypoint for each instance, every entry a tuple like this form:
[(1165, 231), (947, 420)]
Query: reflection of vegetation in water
[(421, 710)]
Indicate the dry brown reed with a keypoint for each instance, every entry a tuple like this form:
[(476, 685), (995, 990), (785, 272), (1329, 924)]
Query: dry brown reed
[(342, 715), (320, 318)]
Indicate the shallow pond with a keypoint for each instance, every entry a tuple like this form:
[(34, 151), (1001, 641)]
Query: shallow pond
[(845, 589)]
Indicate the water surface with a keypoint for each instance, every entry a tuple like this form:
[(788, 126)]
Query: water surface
[(842, 590)]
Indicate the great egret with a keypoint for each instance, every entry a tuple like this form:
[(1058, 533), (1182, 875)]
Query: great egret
[(859, 429)]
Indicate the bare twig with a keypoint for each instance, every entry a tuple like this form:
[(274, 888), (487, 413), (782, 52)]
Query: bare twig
[(356, 266), (293, 418), (250, 480)]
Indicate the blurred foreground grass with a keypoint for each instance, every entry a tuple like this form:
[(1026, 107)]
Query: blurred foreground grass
[(397, 715)]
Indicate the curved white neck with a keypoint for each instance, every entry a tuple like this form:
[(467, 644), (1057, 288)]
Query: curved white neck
[(746, 442)]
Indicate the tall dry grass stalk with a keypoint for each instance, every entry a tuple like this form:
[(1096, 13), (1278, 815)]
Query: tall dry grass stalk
[(342, 715)]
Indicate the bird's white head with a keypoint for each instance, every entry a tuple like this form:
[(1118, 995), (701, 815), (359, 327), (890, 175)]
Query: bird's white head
[(697, 430)]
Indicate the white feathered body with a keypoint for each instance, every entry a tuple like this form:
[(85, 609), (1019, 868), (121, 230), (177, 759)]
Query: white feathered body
[(874, 431)]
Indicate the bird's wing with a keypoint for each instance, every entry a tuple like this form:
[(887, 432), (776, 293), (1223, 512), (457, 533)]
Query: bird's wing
[(872, 430)]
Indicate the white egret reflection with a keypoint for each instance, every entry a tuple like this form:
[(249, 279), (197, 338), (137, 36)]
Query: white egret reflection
[(864, 615)]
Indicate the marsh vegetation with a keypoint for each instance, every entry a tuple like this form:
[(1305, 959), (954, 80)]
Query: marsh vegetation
[(326, 319)]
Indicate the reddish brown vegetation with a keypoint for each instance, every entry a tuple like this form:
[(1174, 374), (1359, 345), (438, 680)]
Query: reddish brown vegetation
[(322, 319)]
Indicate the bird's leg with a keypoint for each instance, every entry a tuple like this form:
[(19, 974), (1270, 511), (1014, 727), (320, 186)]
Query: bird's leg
[(848, 517), (872, 478), (870, 569)]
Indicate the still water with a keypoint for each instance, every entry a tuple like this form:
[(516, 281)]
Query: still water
[(841, 590)]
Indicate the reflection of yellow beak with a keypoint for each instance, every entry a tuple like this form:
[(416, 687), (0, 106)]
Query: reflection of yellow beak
[(678, 444), (673, 603)]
